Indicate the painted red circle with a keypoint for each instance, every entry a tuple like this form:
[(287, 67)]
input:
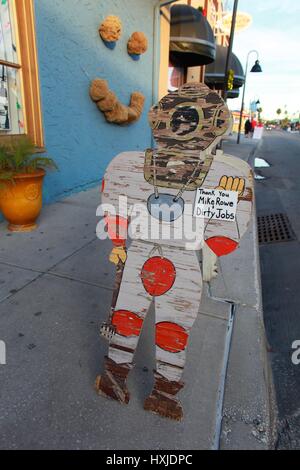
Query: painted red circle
[(171, 337), (127, 323), (158, 275), (222, 246)]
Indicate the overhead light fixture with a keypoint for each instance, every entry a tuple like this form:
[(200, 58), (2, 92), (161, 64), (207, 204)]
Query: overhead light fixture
[(256, 67)]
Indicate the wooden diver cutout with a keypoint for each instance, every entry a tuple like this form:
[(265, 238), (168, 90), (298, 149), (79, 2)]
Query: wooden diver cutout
[(168, 182)]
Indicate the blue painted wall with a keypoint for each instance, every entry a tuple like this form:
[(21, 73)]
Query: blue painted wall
[(69, 47)]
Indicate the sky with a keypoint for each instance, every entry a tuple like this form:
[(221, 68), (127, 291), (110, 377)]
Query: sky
[(275, 34)]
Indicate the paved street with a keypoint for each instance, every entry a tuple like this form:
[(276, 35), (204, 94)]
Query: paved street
[(280, 272)]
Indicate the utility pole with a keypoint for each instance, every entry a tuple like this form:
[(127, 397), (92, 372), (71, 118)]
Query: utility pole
[(229, 52), (256, 68)]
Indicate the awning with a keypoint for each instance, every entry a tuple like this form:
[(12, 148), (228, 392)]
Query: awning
[(192, 41), (235, 93), (215, 73)]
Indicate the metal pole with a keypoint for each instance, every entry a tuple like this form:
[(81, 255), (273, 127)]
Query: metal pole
[(242, 106), (229, 52), (243, 98)]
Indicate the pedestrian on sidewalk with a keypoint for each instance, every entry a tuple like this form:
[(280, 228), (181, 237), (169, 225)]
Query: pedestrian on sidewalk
[(248, 128)]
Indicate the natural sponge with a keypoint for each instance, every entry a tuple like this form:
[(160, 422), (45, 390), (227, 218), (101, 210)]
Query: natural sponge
[(108, 103), (98, 89), (111, 29), (113, 109), (135, 109), (137, 44)]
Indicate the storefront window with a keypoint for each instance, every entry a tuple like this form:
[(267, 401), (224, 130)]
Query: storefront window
[(11, 109), (20, 111)]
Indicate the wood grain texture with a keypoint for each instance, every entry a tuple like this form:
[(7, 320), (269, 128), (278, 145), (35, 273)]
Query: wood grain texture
[(187, 126)]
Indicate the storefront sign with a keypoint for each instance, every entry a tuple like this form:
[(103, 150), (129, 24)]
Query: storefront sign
[(258, 133), (243, 21)]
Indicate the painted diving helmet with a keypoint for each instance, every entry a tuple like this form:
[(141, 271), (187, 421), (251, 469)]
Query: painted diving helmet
[(187, 124)]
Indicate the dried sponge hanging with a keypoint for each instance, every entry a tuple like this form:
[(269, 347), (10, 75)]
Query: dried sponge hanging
[(113, 109), (137, 44), (111, 29)]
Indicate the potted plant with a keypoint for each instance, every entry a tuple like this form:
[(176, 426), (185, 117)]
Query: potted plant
[(21, 182)]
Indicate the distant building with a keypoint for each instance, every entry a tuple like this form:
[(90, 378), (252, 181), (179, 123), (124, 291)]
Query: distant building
[(236, 120)]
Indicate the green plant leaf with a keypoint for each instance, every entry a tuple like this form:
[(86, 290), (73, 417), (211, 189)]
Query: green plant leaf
[(19, 156)]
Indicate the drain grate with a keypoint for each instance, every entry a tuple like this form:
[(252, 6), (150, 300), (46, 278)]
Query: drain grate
[(274, 228)]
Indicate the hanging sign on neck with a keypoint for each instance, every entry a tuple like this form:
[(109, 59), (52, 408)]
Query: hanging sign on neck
[(216, 204)]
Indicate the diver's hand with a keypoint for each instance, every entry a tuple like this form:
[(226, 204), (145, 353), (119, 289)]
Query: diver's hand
[(118, 254), (228, 183)]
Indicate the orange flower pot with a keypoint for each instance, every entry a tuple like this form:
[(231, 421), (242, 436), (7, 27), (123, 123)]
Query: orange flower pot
[(21, 200)]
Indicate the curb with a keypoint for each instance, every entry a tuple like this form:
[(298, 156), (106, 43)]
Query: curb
[(272, 403), (255, 151), (249, 416)]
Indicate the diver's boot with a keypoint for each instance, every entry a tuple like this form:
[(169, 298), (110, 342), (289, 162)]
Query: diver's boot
[(112, 383), (162, 400)]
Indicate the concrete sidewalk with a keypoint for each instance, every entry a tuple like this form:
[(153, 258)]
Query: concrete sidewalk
[(55, 290), (249, 406)]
